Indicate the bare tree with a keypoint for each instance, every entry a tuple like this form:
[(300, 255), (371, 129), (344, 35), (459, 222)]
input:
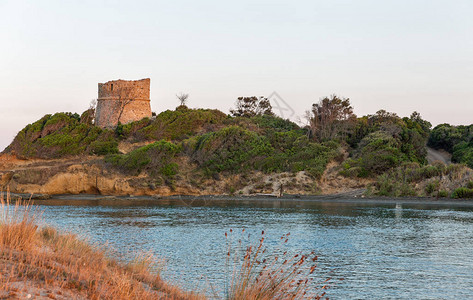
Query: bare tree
[(124, 98), (330, 118), (88, 116), (182, 98), (93, 104), (252, 106)]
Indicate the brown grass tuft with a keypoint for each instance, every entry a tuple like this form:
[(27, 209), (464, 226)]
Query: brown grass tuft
[(42, 262)]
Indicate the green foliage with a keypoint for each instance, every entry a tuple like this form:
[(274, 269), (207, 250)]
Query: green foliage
[(294, 153), (463, 153), (236, 149), (248, 107), (119, 130), (169, 170), (384, 141), (413, 172), (175, 125), (403, 180), (378, 152), (457, 140), (231, 149), (103, 145), (387, 187), (156, 158), (462, 192), (60, 135), (446, 136), (432, 187), (275, 123)]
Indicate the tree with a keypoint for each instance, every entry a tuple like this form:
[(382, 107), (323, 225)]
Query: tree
[(88, 116), (330, 118), (125, 97), (183, 98), (251, 107)]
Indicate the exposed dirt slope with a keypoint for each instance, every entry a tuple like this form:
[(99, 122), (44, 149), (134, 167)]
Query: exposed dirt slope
[(438, 155), (89, 175)]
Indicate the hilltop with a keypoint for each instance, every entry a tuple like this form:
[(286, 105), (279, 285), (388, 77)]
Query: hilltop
[(205, 151)]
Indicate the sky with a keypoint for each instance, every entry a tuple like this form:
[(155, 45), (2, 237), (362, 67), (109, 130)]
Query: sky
[(401, 56)]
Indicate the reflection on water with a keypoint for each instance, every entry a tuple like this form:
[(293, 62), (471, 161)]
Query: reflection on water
[(381, 251)]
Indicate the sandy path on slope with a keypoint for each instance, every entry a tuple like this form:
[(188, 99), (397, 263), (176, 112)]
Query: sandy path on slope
[(438, 155)]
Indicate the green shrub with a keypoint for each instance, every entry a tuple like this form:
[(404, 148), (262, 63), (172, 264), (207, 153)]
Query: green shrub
[(462, 192), (231, 149), (99, 147), (169, 170), (236, 149), (457, 140), (177, 125), (432, 187), (402, 181), (446, 136), (463, 153), (61, 135), (156, 158), (377, 153), (275, 123)]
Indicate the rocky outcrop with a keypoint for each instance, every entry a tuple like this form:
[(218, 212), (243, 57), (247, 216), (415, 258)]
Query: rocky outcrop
[(89, 175)]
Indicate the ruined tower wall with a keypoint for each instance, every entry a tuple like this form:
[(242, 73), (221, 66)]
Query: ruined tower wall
[(122, 100)]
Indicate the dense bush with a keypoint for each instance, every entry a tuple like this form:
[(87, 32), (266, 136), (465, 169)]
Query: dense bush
[(157, 159), (457, 140), (175, 125), (377, 153), (293, 152), (384, 141), (432, 187), (409, 178), (462, 192), (385, 186), (231, 149), (60, 135), (105, 144), (463, 153), (252, 106), (236, 149), (446, 136), (275, 123)]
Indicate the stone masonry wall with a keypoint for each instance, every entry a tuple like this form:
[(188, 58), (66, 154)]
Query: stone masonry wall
[(128, 97)]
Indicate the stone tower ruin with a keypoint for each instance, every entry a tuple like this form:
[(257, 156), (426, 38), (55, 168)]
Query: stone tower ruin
[(122, 101)]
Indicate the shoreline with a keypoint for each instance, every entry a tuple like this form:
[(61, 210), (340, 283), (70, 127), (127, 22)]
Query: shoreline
[(264, 200)]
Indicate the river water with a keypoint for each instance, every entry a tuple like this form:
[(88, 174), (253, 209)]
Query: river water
[(384, 251)]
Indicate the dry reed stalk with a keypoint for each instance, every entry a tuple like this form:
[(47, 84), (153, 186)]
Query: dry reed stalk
[(262, 276)]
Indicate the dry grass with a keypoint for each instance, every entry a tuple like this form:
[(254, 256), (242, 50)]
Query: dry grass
[(41, 263), (262, 276), (44, 264)]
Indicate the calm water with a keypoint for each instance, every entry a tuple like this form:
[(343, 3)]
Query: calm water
[(381, 251)]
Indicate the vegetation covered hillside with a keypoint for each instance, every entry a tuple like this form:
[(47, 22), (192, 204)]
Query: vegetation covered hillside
[(195, 145), (458, 140)]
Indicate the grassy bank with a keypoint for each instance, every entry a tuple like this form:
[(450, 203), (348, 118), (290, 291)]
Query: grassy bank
[(41, 262), (437, 180)]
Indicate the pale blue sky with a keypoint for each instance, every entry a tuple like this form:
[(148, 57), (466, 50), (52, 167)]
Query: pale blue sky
[(397, 55)]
